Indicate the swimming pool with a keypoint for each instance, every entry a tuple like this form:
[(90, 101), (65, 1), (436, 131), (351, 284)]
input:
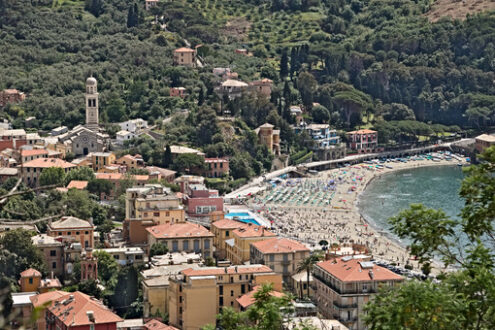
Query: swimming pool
[(245, 217)]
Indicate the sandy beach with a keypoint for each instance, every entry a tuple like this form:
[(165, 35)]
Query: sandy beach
[(325, 207)]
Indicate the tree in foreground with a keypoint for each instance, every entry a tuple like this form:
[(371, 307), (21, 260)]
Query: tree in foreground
[(267, 313), (464, 299), (307, 265)]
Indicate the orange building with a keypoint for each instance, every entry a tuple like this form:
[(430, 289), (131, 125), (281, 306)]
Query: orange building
[(269, 137), (222, 229), (239, 246), (182, 237), (31, 281), (185, 56), (31, 170), (197, 295)]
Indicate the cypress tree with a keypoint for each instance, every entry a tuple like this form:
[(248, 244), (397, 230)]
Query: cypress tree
[(284, 64)]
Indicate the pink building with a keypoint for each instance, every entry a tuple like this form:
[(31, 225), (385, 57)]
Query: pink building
[(217, 167), (201, 201), (178, 92), (363, 141)]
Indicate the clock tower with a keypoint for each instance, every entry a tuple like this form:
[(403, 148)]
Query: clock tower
[(91, 104)]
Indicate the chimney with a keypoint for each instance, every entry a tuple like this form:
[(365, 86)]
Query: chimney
[(51, 275), (91, 220), (91, 316), (371, 274)]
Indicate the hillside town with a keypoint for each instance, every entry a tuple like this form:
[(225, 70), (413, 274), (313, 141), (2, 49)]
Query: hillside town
[(212, 182)]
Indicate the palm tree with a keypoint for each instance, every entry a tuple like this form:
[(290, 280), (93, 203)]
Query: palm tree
[(307, 265)]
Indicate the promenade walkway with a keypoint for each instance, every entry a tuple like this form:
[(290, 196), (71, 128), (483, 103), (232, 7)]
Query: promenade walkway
[(256, 184)]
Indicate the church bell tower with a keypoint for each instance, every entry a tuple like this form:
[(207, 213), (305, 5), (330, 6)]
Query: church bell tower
[(91, 104)]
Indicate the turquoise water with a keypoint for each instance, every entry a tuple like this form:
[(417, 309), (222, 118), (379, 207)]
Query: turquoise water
[(436, 187), (243, 217)]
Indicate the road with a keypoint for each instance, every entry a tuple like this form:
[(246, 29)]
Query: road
[(256, 183)]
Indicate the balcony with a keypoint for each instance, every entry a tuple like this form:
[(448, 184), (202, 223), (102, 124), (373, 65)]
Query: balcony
[(346, 292)]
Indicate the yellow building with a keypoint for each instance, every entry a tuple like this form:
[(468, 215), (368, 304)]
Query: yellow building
[(149, 206), (72, 229), (101, 159), (282, 255), (182, 237), (196, 296), (238, 247), (222, 229), (156, 286), (130, 162), (269, 137), (30, 280)]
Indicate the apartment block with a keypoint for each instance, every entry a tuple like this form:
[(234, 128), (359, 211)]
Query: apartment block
[(282, 255), (197, 295), (185, 236), (149, 206), (345, 285), (238, 247)]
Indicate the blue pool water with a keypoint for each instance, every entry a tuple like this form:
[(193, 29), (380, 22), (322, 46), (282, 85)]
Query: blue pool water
[(243, 217)]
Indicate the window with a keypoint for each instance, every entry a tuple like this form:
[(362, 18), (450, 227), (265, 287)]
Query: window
[(220, 301), (54, 265), (231, 279), (272, 257), (156, 214), (185, 245), (59, 233), (207, 244), (77, 233), (139, 257), (116, 256), (243, 288), (227, 233), (196, 245), (69, 233), (167, 214), (231, 293), (30, 280), (220, 290), (53, 253), (231, 303), (86, 232), (175, 246), (86, 244)]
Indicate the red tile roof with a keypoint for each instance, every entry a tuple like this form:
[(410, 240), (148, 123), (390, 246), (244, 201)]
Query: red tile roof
[(48, 162), (175, 230), (229, 224), (253, 231), (50, 283), (157, 325), (243, 269), (109, 176), (279, 245), (77, 184), (31, 272), (354, 271), (362, 131), (72, 310), (248, 299), (184, 50), (47, 297), (33, 152)]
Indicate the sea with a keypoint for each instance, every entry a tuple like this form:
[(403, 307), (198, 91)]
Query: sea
[(433, 186)]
